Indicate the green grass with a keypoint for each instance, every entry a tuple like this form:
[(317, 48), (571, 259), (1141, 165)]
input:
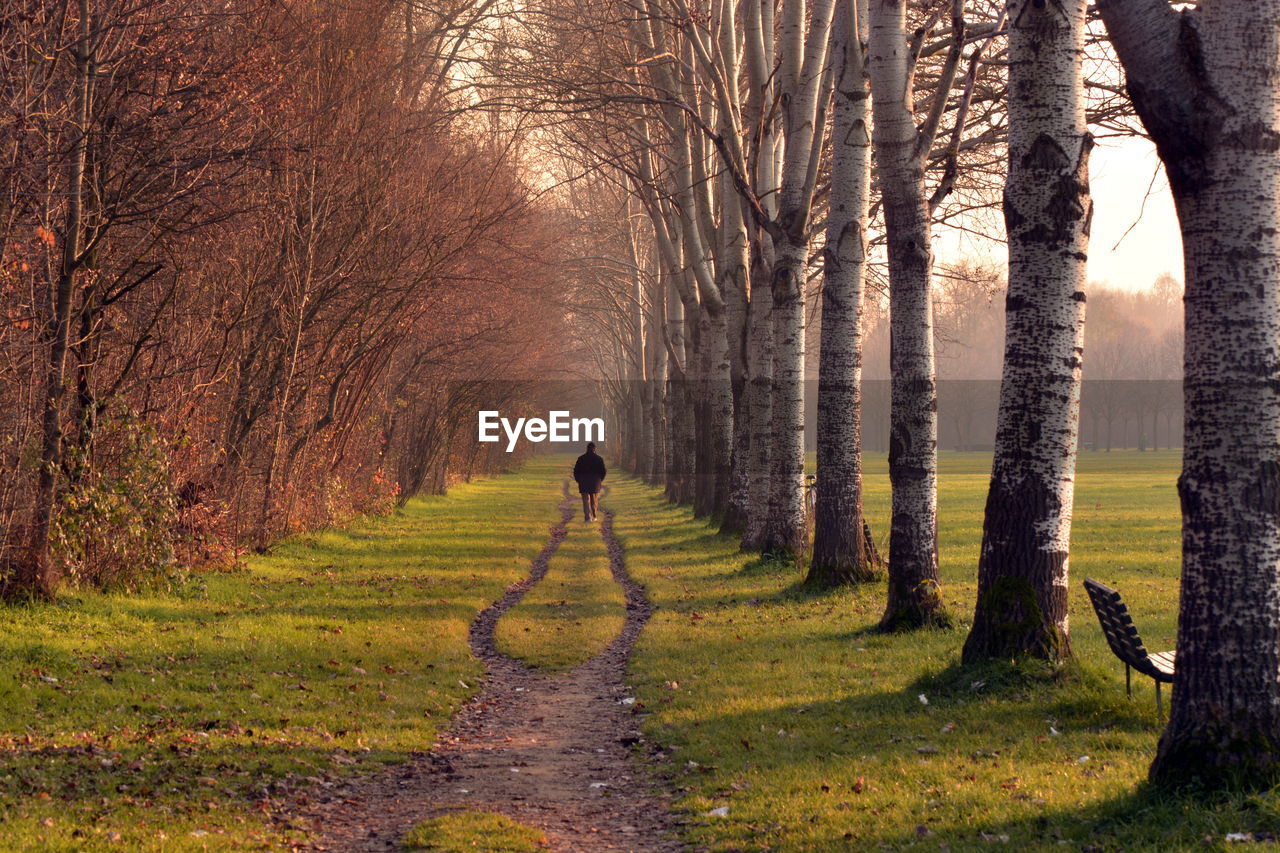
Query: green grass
[(1126, 527), (465, 831), (789, 709), (573, 613), (187, 721)]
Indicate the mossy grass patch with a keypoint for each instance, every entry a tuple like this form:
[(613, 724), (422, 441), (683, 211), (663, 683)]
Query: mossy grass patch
[(469, 831)]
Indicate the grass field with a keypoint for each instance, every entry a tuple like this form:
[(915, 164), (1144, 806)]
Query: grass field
[(818, 733), (464, 832), (186, 720), (161, 721)]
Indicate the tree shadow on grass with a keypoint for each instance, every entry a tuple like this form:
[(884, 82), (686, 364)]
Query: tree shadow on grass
[(1006, 717), (872, 630), (801, 589), (1146, 819), (219, 776), (892, 732), (753, 565), (1074, 693), (995, 678), (669, 546)]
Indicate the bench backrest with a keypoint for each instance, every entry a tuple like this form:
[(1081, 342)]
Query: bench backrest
[(1117, 625)]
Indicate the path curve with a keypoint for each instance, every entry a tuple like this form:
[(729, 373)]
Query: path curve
[(552, 751)]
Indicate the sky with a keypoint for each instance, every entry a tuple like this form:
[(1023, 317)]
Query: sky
[(1132, 242), (1122, 172)]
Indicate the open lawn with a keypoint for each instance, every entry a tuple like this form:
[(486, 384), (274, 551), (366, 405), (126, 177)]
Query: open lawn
[(187, 721), (191, 719), (818, 733)]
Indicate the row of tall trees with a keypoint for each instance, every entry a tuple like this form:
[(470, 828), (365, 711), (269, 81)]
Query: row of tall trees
[(769, 143), (254, 260), (739, 133), (258, 260)]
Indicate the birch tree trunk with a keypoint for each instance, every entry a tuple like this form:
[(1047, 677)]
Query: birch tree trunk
[(1022, 568), (731, 280), (759, 413), (758, 51), (838, 553), (706, 435), (1204, 82), (732, 266), (784, 527), (714, 386), (639, 444), (689, 387), (718, 400), (802, 70), (733, 521), (642, 442), (914, 592), (677, 413), (655, 320), (734, 260)]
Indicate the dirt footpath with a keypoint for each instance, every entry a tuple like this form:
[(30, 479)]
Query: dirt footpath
[(552, 751)]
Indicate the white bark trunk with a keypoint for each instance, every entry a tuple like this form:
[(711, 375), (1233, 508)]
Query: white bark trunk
[(718, 386), (732, 270), (913, 461), (655, 320), (757, 394), (732, 265), (676, 402), (803, 95), (642, 441), (838, 552), (1022, 568), (759, 402), (1204, 82), (785, 527), (688, 434)]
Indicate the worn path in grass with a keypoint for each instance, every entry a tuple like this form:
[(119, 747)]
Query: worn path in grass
[(552, 751)]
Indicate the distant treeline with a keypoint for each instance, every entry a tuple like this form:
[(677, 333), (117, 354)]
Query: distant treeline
[(1132, 388), (1115, 414)]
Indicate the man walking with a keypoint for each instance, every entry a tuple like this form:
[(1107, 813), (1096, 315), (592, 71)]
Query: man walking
[(589, 472)]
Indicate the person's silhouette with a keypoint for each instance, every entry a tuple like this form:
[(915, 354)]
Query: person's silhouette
[(589, 473)]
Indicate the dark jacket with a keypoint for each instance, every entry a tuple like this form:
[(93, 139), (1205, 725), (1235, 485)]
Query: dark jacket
[(589, 472)]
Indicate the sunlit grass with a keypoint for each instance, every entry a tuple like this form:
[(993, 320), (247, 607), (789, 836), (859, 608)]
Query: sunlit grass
[(187, 721), (573, 613), (466, 831), (788, 708)]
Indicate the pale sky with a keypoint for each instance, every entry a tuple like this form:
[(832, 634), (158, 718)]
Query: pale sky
[(1121, 171)]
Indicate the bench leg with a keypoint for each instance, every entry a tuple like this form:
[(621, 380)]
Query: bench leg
[(1159, 701), (1128, 684)]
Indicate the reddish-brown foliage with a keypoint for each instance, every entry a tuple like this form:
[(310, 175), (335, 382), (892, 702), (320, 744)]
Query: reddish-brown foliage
[(298, 268)]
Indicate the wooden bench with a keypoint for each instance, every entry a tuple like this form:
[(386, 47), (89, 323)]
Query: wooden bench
[(1125, 642)]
